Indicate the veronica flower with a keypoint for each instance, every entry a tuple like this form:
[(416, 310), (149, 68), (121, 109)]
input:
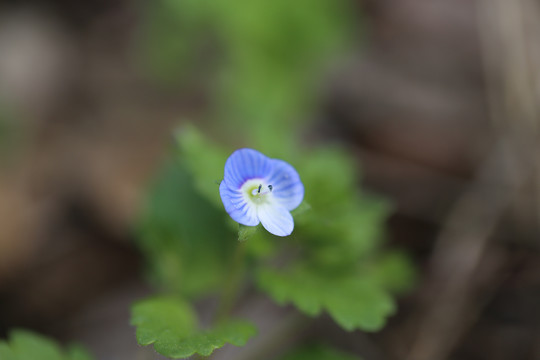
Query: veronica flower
[(257, 189)]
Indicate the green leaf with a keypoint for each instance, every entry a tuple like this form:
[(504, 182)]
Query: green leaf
[(301, 209), (26, 345), (204, 160), (77, 352), (353, 301), (5, 352), (395, 272), (186, 240), (205, 342), (170, 325), (245, 232), (162, 321), (318, 352), (343, 225), (261, 244)]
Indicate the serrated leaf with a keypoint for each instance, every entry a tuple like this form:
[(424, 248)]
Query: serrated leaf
[(352, 301), (170, 325), (318, 352), (26, 345), (344, 224), (205, 342), (162, 320)]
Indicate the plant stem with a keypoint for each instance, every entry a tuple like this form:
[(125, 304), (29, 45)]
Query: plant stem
[(232, 284)]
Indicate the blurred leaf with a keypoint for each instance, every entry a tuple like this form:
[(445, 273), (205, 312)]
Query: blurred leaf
[(5, 352), (275, 52), (263, 61), (171, 325), (354, 302), (204, 343), (245, 232), (77, 352), (394, 271), (164, 319), (343, 224), (185, 239), (331, 175), (318, 352), (301, 209), (26, 345), (172, 40), (205, 161), (262, 244)]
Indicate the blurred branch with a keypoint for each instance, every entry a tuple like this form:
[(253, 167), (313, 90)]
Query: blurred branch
[(462, 246)]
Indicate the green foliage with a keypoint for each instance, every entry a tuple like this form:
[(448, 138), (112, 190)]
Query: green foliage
[(204, 160), (182, 235), (261, 60), (173, 39), (301, 209), (245, 232), (318, 352), (394, 271), (354, 301), (171, 325), (343, 224), (333, 262), (25, 345), (261, 64), (77, 352), (335, 244)]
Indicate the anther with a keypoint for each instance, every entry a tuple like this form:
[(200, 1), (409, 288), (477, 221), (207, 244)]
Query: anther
[(270, 187), (259, 190)]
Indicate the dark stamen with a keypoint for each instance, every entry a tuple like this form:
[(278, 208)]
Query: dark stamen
[(259, 191), (270, 187)]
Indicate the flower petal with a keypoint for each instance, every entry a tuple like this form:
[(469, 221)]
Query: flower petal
[(287, 188), (245, 164), (275, 218), (236, 205)]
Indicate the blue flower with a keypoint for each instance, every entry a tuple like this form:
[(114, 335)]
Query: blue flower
[(257, 189)]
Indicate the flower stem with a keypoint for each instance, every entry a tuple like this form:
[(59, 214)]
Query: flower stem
[(232, 284)]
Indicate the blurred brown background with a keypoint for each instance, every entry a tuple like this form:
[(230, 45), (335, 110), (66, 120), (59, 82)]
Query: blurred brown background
[(440, 100)]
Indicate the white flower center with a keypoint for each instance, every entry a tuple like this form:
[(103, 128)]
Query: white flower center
[(257, 191)]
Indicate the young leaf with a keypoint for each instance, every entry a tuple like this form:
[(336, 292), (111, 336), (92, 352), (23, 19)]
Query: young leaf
[(26, 345), (354, 302), (170, 325)]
